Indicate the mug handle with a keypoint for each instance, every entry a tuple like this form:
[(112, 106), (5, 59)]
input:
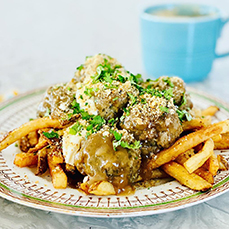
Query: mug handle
[(227, 53)]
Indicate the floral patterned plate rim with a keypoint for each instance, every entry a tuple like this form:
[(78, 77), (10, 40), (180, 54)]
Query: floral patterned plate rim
[(20, 185)]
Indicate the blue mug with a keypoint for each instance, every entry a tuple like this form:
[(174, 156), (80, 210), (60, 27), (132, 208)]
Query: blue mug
[(180, 40)]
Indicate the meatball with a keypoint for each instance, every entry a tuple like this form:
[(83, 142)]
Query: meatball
[(179, 91), (103, 86), (99, 161), (109, 102), (155, 123), (56, 102), (90, 67)]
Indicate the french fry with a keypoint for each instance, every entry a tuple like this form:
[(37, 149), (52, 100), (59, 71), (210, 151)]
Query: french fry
[(187, 142), (205, 174), (197, 160), (223, 164), (183, 157), (217, 138), (153, 174), (222, 143), (38, 146), (196, 123), (25, 159), (42, 163), (202, 172), (33, 138), (103, 188), (197, 112), (211, 111), (213, 164), (190, 180), (59, 178), (26, 128), (28, 141)]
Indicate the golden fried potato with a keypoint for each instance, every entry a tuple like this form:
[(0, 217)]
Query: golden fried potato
[(211, 111), (202, 171), (42, 164), (213, 164), (26, 128), (25, 159), (103, 188), (198, 159), (190, 180), (205, 174), (40, 145), (223, 164), (59, 178), (196, 123), (187, 142), (223, 142), (183, 157)]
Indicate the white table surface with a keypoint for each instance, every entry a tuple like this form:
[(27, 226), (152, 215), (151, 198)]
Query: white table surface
[(42, 42)]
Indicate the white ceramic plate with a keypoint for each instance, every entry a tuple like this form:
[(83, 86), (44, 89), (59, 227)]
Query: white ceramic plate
[(22, 186)]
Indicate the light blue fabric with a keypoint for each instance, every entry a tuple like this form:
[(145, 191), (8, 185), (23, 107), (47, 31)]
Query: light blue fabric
[(183, 47)]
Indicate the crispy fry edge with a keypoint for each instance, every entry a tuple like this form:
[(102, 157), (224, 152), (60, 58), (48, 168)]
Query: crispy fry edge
[(26, 128)]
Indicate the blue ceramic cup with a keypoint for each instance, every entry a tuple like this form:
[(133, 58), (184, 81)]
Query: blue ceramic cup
[(180, 40)]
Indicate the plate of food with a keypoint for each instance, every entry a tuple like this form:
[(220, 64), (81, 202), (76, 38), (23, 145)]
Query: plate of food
[(109, 143)]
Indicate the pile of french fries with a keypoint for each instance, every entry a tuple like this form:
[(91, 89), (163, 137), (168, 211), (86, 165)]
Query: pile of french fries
[(191, 160), (41, 151)]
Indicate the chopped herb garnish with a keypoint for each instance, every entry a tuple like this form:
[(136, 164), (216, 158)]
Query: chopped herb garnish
[(133, 99), (164, 109), (118, 142), (99, 71), (69, 116), (184, 115), (80, 67), (81, 97), (88, 57), (47, 112), (106, 86), (75, 107), (76, 128), (90, 91), (51, 134), (115, 98), (127, 111), (154, 92), (97, 122), (85, 115), (183, 101), (143, 101), (121, 79), (112, 121), (89, 127), (168, 81), (117, 135), (77, 110), (135, 145), (122, 118), (168, 94), (107, 78)]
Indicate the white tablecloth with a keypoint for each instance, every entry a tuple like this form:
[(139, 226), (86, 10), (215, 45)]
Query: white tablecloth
[(42, 42)]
